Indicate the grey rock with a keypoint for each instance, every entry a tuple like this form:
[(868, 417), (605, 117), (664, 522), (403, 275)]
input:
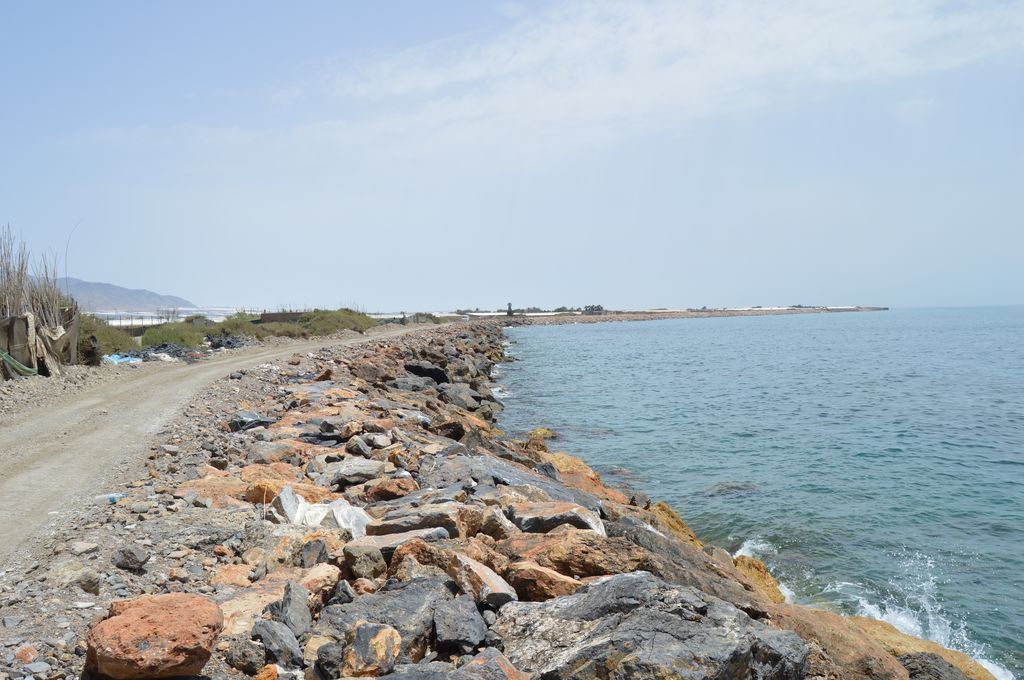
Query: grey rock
[(280, 643), (343, 593), (287, 505), (246, 655), (459, 627), (403, 519), (412, 383), (246, 420), (461, 395), (352, 471), (426, 369), (357, 446), (683, 564), (377, 440), (330, 660), (364, 561), (408, 607), (434, 670), (292, 609), (636, 625), (925, 666), (388, 543), (445, 470), (543, 517), (313, 553), (130, 557)]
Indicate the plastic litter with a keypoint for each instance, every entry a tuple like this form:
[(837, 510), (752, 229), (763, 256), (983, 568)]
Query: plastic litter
[(108, 498), (117, 359)]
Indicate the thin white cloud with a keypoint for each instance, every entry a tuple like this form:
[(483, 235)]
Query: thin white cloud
[(593, 64)]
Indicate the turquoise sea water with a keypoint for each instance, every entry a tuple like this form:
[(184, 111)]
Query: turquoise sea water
[(874, 461)]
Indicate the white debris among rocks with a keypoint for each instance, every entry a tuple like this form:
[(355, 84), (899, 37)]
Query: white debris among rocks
[(340, 514)]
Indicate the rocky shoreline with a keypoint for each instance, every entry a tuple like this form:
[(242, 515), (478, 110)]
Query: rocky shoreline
[(357, 512)]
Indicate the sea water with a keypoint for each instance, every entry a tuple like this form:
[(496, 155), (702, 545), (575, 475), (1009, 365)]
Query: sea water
[(874, 461)]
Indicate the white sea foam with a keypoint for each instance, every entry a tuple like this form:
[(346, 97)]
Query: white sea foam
[(916, 610), (787, 592), (754, 547)]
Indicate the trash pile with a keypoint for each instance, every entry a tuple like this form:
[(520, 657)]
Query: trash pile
[(170, 352)]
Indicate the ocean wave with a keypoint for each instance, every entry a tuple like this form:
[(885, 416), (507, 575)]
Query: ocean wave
[(755, 547), (913, 607)]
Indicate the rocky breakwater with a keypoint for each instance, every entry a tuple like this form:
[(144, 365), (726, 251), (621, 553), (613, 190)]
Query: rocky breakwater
[(357, 513)]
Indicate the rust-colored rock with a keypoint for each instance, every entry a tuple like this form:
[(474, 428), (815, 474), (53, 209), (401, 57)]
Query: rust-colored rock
[(266, 490), (477, 579), (898, 644), (386, 489), (157, 636), (534, 583), (577, 552), (757, 574), (223, 491), (668, 520), (232, 575), (841, 649), (268, 672)]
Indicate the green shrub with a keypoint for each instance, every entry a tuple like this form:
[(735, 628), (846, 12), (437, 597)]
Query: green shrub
[(325, 322), (111, 340), (315, 323), (285, 330), (239, 324), (181, 334)]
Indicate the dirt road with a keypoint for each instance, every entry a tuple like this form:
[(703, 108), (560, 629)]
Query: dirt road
[(59, 456)]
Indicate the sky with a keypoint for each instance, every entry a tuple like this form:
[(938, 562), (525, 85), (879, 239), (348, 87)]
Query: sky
[(416, 155)]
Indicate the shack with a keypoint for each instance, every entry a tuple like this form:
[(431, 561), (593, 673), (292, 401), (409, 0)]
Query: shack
[(30, 348)]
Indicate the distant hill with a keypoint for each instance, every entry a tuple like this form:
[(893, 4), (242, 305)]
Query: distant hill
[(106, 297)]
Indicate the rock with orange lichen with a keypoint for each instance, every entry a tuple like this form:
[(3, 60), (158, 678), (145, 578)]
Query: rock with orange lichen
[(534, 583), (266, 490), (899, 644), (839, 648), (575, 552), (157, 636), (232, 575), (757, 574), (668, 520), (222, 490), (371, 649), (388, 488)]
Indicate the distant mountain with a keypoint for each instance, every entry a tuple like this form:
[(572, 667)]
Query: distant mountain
[(106, 297)]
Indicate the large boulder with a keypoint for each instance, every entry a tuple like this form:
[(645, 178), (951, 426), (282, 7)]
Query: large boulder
[(458, 625), (425, 369), (158, 636), (456, 467), (461, 395), (925, 666), (636, 625), (408, 607), (543, 517)]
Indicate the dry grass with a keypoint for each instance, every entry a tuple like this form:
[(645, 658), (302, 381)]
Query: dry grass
[(20, 293)]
